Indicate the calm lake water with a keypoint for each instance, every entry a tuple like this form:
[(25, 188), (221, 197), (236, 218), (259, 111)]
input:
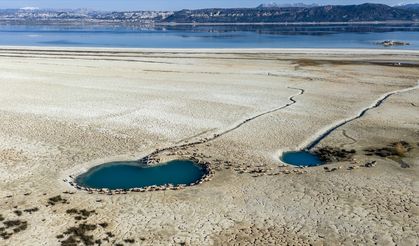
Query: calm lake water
[(126, 175), (305, 36)]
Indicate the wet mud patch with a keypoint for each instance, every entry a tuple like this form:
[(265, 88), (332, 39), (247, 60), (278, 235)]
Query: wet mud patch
[(399, 149), (317, 157), (395, 151), (333, 154)]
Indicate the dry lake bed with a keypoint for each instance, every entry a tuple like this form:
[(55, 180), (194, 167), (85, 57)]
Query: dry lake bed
[(235, 112)]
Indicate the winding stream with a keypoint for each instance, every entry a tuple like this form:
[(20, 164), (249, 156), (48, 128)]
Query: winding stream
[(217, 135), (139, 174)]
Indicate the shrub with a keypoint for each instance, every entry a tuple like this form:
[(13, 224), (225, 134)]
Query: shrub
[(400, 149)]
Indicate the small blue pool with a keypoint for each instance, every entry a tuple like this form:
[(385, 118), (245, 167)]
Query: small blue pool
[(301, 158), (127, 175)]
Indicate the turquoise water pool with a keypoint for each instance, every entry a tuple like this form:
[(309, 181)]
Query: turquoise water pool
[(301, 158), (127, 175)]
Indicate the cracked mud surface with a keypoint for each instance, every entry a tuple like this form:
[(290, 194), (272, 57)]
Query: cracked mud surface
[(64, 111)]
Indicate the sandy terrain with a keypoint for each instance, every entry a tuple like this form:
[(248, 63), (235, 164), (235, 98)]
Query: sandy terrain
[(63, 111)]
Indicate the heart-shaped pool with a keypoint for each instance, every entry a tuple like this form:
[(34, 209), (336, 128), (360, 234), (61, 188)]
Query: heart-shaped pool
[(128, 175)]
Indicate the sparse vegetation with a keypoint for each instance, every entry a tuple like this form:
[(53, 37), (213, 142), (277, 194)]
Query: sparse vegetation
[(12, 227), (5, 235), (12, 223), (70, 241), (104, 224), (18, 212), (82, 214), (72, 211), (76, 233), (31, 210), (80, 234), (129, 240), (400, 149), (56, 199)]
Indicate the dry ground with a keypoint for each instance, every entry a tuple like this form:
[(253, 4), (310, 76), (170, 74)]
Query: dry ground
[(63, 111)]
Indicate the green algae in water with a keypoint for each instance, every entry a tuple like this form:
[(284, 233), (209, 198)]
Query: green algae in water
[(301, 158), (127, 175)]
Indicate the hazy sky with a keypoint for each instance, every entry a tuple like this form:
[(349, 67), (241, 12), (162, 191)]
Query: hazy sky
[(164, 4)]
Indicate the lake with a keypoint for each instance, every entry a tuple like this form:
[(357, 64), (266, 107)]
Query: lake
[(247, 36)]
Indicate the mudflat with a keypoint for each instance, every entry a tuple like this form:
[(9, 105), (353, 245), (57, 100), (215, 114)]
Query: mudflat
[(66, 110)]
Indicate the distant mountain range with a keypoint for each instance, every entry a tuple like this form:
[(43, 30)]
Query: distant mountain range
[(295, 5), (412, 6), (266, 13), (45, 16), (330, 13)]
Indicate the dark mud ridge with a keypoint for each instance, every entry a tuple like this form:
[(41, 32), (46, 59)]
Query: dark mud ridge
[(395, 151)]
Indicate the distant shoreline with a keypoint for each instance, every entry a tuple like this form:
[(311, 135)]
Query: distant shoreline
[(287, 23), (163, 24), (116, 50)]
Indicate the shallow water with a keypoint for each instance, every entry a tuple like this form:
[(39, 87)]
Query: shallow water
[(246, 36), (301, 158), (126, 175)]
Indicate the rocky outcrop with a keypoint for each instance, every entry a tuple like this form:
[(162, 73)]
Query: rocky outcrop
[(393, 43)]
